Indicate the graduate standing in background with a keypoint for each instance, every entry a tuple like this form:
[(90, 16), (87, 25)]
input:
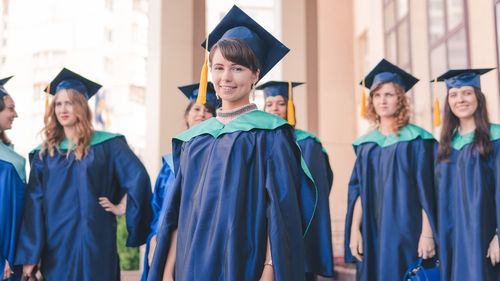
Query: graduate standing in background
[(318, 243), (195, 114), (64, 225), (391, 205), (468, 182), (241, 201), (12, 185)]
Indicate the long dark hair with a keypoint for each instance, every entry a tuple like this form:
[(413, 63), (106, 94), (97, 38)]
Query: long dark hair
[(451, 123), (3, 136)]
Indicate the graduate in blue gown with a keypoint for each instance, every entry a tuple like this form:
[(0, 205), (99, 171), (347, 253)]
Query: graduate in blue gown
[(241, 201), (468, 182), (318, 248), (194, 114), (64, 225), (12, 185), (391, 205)]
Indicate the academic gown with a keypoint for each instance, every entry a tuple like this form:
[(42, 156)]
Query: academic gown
[(235, 186), (65, 226), (163, 188), (318, 243), (12, 185), (393, 177), (468, 209)]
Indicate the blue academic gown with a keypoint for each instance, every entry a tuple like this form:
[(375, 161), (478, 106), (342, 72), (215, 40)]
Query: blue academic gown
[(163, 188), (235, 185), (468, 189), (393, 177), (12, 185), (65, 226), (318, 243)]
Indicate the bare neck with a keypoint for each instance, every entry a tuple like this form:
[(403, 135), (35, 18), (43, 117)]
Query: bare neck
[(70, 133), (467, 125), (386, 125)]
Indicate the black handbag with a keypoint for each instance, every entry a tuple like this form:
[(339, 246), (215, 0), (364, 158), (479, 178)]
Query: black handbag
[(423, 270)]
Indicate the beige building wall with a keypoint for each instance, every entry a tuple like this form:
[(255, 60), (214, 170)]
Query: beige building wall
[(482, 40), (336, 102), (175, 59)]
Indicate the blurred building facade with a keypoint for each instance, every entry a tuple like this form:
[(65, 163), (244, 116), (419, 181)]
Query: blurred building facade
[(104, 40)]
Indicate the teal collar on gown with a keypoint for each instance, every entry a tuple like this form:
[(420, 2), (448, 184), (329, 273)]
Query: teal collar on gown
[(407, 133), (97, 138), (460, 141), (7, 154)]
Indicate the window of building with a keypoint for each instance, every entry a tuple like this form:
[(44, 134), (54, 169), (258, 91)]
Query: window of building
[(38, 88), (109, 5), (397, 32), (107, 64), (448, 35), (140, 6), (108, 34), (397, 35), (5, 7), (137, 94)]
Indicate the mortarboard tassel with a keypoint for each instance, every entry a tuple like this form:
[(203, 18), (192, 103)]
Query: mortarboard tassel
[(103, 108), (437, 117), (290, 111), (47, 98), (363, 100), (202, 90)]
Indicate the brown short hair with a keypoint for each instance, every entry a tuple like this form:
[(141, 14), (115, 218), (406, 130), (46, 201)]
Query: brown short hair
[(402, 114), (209, 106), (237, 51)]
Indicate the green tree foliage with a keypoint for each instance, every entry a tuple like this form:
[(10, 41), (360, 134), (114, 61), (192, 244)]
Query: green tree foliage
[(129, 257)]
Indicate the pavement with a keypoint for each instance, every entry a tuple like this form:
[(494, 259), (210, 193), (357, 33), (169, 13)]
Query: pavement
[(342, 273)]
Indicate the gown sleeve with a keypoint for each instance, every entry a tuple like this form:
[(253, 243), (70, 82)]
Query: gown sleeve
[(133, 178), (292, 195), (423, 159), (496, 167), (11, 198), (162, 189), (318, 242), (168, 222), (32, 234), (354, 191)]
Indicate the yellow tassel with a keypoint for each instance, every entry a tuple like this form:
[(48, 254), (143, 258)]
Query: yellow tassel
[(437, 117), (202, 89), (47, 98), (363, 100), (290, 111), (103, 109)]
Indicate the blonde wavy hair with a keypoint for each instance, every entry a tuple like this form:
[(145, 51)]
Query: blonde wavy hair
[(53, 132), (402, 113)]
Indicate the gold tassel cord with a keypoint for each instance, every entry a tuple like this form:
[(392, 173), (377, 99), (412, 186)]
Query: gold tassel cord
[(47, 98), (103, 109), (363, 99), (202, 89), (437, 115), (290, 111)]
